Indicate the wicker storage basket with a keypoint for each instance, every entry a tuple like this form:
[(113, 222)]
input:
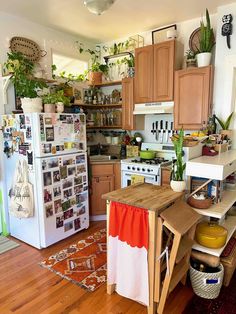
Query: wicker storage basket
[(206, 285)]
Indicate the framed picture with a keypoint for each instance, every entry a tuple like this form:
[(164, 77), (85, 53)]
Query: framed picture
[(160, 34)]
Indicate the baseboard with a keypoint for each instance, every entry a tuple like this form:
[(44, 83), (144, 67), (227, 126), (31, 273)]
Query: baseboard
[(98, 217)]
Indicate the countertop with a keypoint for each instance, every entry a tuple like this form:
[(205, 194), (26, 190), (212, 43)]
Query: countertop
[(144, 195), (102, 162)]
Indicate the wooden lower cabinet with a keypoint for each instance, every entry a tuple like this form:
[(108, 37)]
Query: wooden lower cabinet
[(105, 178)]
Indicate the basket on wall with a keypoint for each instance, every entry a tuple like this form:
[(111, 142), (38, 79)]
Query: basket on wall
[(206, 285)]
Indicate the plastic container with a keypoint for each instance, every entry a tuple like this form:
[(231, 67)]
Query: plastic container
[(206, 285)]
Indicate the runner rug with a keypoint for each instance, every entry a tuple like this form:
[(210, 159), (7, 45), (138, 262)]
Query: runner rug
[(6, 244), (83, 263)]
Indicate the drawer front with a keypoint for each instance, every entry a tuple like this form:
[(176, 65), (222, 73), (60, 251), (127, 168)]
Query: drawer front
[(228, 169), (102, 169)]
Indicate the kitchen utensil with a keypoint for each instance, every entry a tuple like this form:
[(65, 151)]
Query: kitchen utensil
[(157, 133), (166, 132), (211, 235), (210, 260), (153, 130), (147, 154), (161, 128)]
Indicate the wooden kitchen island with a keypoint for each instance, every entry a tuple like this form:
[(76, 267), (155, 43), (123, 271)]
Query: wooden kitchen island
[(155, 199)]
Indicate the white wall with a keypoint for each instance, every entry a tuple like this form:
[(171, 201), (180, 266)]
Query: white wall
[(47, 39)]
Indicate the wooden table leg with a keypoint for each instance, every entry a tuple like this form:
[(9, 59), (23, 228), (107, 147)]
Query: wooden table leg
[(151, 260), (110, 288), (158, 262)]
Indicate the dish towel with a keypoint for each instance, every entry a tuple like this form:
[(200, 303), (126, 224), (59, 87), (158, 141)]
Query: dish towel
[(128, 251)]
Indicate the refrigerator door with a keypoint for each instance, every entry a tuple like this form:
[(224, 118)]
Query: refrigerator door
[(17, 144), (63, 196), (58, 133)]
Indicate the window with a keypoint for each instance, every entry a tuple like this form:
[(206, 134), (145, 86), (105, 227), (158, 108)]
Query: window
[(69, 65)]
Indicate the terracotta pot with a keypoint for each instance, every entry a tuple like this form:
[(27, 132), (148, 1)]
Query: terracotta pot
[(178, 186), (95, 78), (203, 59), (31, 104), (49, 108)]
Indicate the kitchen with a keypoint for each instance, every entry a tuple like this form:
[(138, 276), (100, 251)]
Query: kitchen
[(222, 104)]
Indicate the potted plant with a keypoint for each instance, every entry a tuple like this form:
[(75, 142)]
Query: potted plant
[(96, 68), (54, 101), (177, 181), (206, 42), (190, 58), (130, 63), (26, 85), (225, 132)]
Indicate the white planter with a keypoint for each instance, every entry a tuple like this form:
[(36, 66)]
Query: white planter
[(178, 186), (31, 104), (203, 59)]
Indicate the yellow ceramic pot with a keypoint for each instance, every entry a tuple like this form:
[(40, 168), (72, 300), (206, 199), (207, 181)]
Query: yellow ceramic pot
[(211, 235)]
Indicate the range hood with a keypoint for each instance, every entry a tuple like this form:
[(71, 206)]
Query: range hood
[(154, 108)]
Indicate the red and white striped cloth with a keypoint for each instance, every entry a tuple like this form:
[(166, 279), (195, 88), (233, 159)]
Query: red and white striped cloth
[(127, 251)]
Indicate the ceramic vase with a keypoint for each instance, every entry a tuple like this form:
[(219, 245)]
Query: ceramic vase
[(49, 108), (59, 107), (29, 105), (203, 59), (178, 186), (130, 72)]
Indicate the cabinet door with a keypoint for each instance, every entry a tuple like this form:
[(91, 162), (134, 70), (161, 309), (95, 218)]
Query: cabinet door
[(163, 80), (192, 97), (127, 104), (100, 186), (143, 81)]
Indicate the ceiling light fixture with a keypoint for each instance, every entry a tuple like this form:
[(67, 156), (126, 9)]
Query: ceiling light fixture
[(98, 6)]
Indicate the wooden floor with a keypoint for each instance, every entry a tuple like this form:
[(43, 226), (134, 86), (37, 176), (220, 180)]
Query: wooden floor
[(27, 288)]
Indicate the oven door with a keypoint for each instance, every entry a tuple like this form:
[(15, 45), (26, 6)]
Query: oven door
[(148, 178)]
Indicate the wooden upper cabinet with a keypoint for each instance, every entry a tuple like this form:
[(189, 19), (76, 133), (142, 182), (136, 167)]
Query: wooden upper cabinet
[(127, 103), (143, 74), (154, 71), (192, 99), (164, 62)]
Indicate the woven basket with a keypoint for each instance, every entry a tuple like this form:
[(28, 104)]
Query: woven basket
[(206, 285)]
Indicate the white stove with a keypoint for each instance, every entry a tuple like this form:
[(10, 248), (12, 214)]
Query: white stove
[(149, 169)]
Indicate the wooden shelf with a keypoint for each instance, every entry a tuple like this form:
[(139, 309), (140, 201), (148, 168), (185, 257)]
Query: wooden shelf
[(220, 209), (94, 107), (105, 127), (230, 225), (108, 83)]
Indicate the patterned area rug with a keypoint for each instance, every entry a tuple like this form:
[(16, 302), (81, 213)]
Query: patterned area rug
[(224, 304), (6, 244), (83, 263)]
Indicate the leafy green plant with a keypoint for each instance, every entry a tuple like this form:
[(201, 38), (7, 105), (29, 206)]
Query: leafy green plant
[(22, 69), (129, 61), (178, 165), (190, 55), (206, 40), (225, 123), (56, 97)]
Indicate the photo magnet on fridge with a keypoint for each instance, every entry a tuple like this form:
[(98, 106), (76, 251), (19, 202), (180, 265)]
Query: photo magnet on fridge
[(68, 226), (28, 133), (68, 214), (57, 206), (77, 224), (63, 172), (57, 191), (49, 210), (56, 176), (53, 163), (50, 134), (48, 121), (47, 178), (47, 195), (22, 121), (59, 221)]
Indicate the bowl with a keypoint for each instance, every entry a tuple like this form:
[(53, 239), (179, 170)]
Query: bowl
[(200, 204)]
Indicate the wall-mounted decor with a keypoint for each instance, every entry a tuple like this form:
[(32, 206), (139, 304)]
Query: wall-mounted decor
[(164, 33), (227, 28)]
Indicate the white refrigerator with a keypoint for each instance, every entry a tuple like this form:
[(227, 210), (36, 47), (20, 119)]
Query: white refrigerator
[(54, 146)]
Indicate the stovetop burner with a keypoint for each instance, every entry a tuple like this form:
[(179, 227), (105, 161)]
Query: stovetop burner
[(154, 161)]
